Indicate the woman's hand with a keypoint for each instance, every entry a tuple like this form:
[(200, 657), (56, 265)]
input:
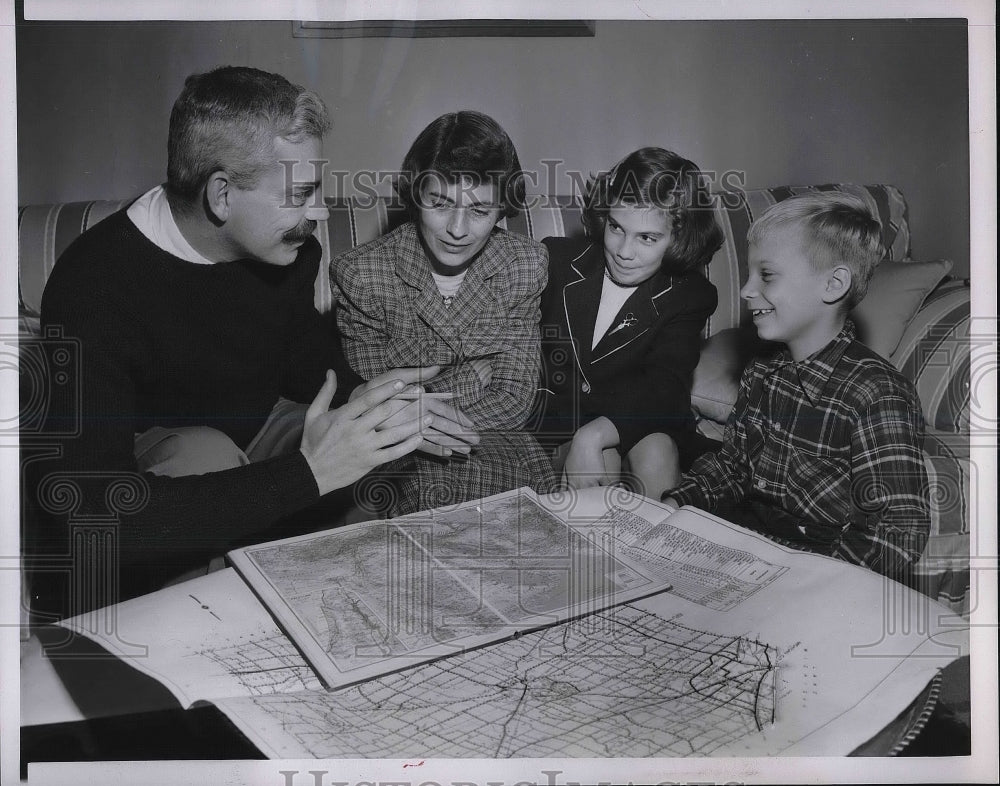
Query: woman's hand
[(449, 430), (408, 376)]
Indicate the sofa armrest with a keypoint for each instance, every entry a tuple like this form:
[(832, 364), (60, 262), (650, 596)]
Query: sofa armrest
[(935, 354), (943, 572)]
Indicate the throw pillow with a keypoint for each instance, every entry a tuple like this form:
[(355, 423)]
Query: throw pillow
[(716, 381), (895, 294)]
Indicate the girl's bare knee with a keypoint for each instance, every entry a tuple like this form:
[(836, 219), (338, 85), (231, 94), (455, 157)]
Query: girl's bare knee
[(654, 464)]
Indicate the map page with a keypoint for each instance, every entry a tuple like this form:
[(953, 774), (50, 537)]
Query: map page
[(379, 596), (621, 683)]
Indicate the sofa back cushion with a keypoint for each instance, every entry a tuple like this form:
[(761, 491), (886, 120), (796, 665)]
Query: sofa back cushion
[(44, 231), (358, 220)]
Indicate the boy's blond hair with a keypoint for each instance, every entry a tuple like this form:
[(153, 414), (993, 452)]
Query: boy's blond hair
[(838, 228)]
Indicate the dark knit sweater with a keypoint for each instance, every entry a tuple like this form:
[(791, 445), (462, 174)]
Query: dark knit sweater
[(167, 342)]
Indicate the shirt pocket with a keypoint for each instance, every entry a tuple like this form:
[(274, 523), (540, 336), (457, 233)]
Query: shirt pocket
[(819, 479)]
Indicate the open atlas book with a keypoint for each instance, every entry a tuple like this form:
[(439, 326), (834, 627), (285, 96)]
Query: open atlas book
[(375, 597), (591, 623)]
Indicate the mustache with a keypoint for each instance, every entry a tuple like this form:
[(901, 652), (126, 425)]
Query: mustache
[(301, 232)]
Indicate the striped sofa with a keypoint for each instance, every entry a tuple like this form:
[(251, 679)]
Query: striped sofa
[(934, 350)]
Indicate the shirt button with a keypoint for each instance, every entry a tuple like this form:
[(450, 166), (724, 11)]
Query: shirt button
[(585, 387), (761, 483)]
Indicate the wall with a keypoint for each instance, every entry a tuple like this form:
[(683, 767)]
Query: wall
[(785, 102)]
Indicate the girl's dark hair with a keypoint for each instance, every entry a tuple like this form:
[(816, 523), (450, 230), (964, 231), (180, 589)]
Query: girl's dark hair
[(463, 145), (654, 177)]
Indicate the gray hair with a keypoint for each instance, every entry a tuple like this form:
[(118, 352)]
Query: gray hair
[(228, 119)]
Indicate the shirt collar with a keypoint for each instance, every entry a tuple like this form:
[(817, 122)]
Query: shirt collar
[(815, 371), (152, 216)]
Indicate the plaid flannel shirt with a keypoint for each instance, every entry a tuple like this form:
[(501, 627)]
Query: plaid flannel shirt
[(390, 315), (834, 442)]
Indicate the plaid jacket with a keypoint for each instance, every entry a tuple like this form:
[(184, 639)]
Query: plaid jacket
[(833, 442), (390, 315)]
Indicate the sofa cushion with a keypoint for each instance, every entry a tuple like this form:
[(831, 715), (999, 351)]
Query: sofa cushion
[(895, 294), (46, 230)]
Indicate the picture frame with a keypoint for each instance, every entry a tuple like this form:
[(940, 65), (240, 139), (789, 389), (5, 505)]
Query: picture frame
[(444, 28)]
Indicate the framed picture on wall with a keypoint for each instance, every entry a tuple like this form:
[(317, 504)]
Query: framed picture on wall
[(444, 28)]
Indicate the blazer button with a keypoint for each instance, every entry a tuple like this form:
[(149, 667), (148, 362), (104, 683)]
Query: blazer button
[(585, 387)]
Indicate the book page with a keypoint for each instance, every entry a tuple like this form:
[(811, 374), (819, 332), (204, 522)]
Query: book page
[(698, 568)]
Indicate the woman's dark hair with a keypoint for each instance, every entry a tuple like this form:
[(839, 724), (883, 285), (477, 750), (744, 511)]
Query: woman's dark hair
[(463, 145), (655, 177)]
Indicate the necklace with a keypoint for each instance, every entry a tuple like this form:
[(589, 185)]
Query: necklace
[(607, 275)]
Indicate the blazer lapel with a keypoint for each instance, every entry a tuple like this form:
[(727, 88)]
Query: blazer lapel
[(476, 298), (581, 298), (635, 318), (413, 269)]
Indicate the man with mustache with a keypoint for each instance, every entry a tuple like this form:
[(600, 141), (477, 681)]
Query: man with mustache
[(200, 349)]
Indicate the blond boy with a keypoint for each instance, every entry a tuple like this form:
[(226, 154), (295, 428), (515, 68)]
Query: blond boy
[(823, 448)]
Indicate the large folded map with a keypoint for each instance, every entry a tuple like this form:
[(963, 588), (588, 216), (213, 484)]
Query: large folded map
[(591, 624)]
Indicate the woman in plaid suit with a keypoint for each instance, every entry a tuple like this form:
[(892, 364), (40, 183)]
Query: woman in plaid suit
[(450, 288)]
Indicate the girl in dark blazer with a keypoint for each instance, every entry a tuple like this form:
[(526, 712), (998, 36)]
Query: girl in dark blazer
[(622, 317)]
